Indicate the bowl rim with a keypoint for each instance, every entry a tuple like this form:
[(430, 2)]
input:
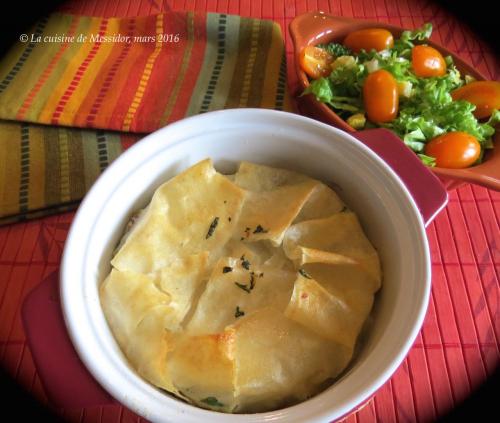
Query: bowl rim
[(80, 226), (486, 174)]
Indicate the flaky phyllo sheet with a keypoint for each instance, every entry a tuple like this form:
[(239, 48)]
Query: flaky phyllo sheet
[(241, 293)]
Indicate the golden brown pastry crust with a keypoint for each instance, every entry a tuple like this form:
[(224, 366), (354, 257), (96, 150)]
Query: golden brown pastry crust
[(243, 293)]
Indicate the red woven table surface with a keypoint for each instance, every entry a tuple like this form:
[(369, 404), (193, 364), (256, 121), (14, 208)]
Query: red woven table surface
[(457, 349)]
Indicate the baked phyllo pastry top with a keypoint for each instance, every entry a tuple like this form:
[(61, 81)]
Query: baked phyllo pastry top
[(241, 293)]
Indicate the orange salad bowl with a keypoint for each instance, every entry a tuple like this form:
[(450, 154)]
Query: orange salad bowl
[(317, 27)]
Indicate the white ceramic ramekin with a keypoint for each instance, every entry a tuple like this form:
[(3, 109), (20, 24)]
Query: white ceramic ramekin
[(387, 211)]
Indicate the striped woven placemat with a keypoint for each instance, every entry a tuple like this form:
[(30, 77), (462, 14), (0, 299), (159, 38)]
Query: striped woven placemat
[(71, 93)]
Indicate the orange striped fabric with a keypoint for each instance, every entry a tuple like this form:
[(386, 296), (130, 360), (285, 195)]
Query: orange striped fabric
[(72, 92)]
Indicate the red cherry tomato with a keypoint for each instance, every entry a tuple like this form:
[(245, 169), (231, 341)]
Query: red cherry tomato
[(380, 96), (484, 94), (454, 150), (369, 38), (315, 61), (427, 61)]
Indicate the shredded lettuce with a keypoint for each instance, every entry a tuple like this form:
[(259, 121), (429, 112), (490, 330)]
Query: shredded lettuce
[(427, 160), (321, 89), (420, 34), (425, 111), (404, 44), (334, 95), (488, 129)]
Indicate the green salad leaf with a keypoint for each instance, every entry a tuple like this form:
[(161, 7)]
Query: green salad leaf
[(427, 160), (321, 89), (487, 129), (341, 90), (404, 44), (348, 81), (420, 34)]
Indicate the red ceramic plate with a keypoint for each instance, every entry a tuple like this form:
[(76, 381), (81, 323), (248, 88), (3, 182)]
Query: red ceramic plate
[(317, 27)]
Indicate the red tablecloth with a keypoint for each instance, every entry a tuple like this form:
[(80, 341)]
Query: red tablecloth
[(457, 349)]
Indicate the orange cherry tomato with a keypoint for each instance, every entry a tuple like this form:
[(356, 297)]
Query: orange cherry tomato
[(315, 61), (484, 94), (380, 96), (427, 61), (369, 38), (454, 150)]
